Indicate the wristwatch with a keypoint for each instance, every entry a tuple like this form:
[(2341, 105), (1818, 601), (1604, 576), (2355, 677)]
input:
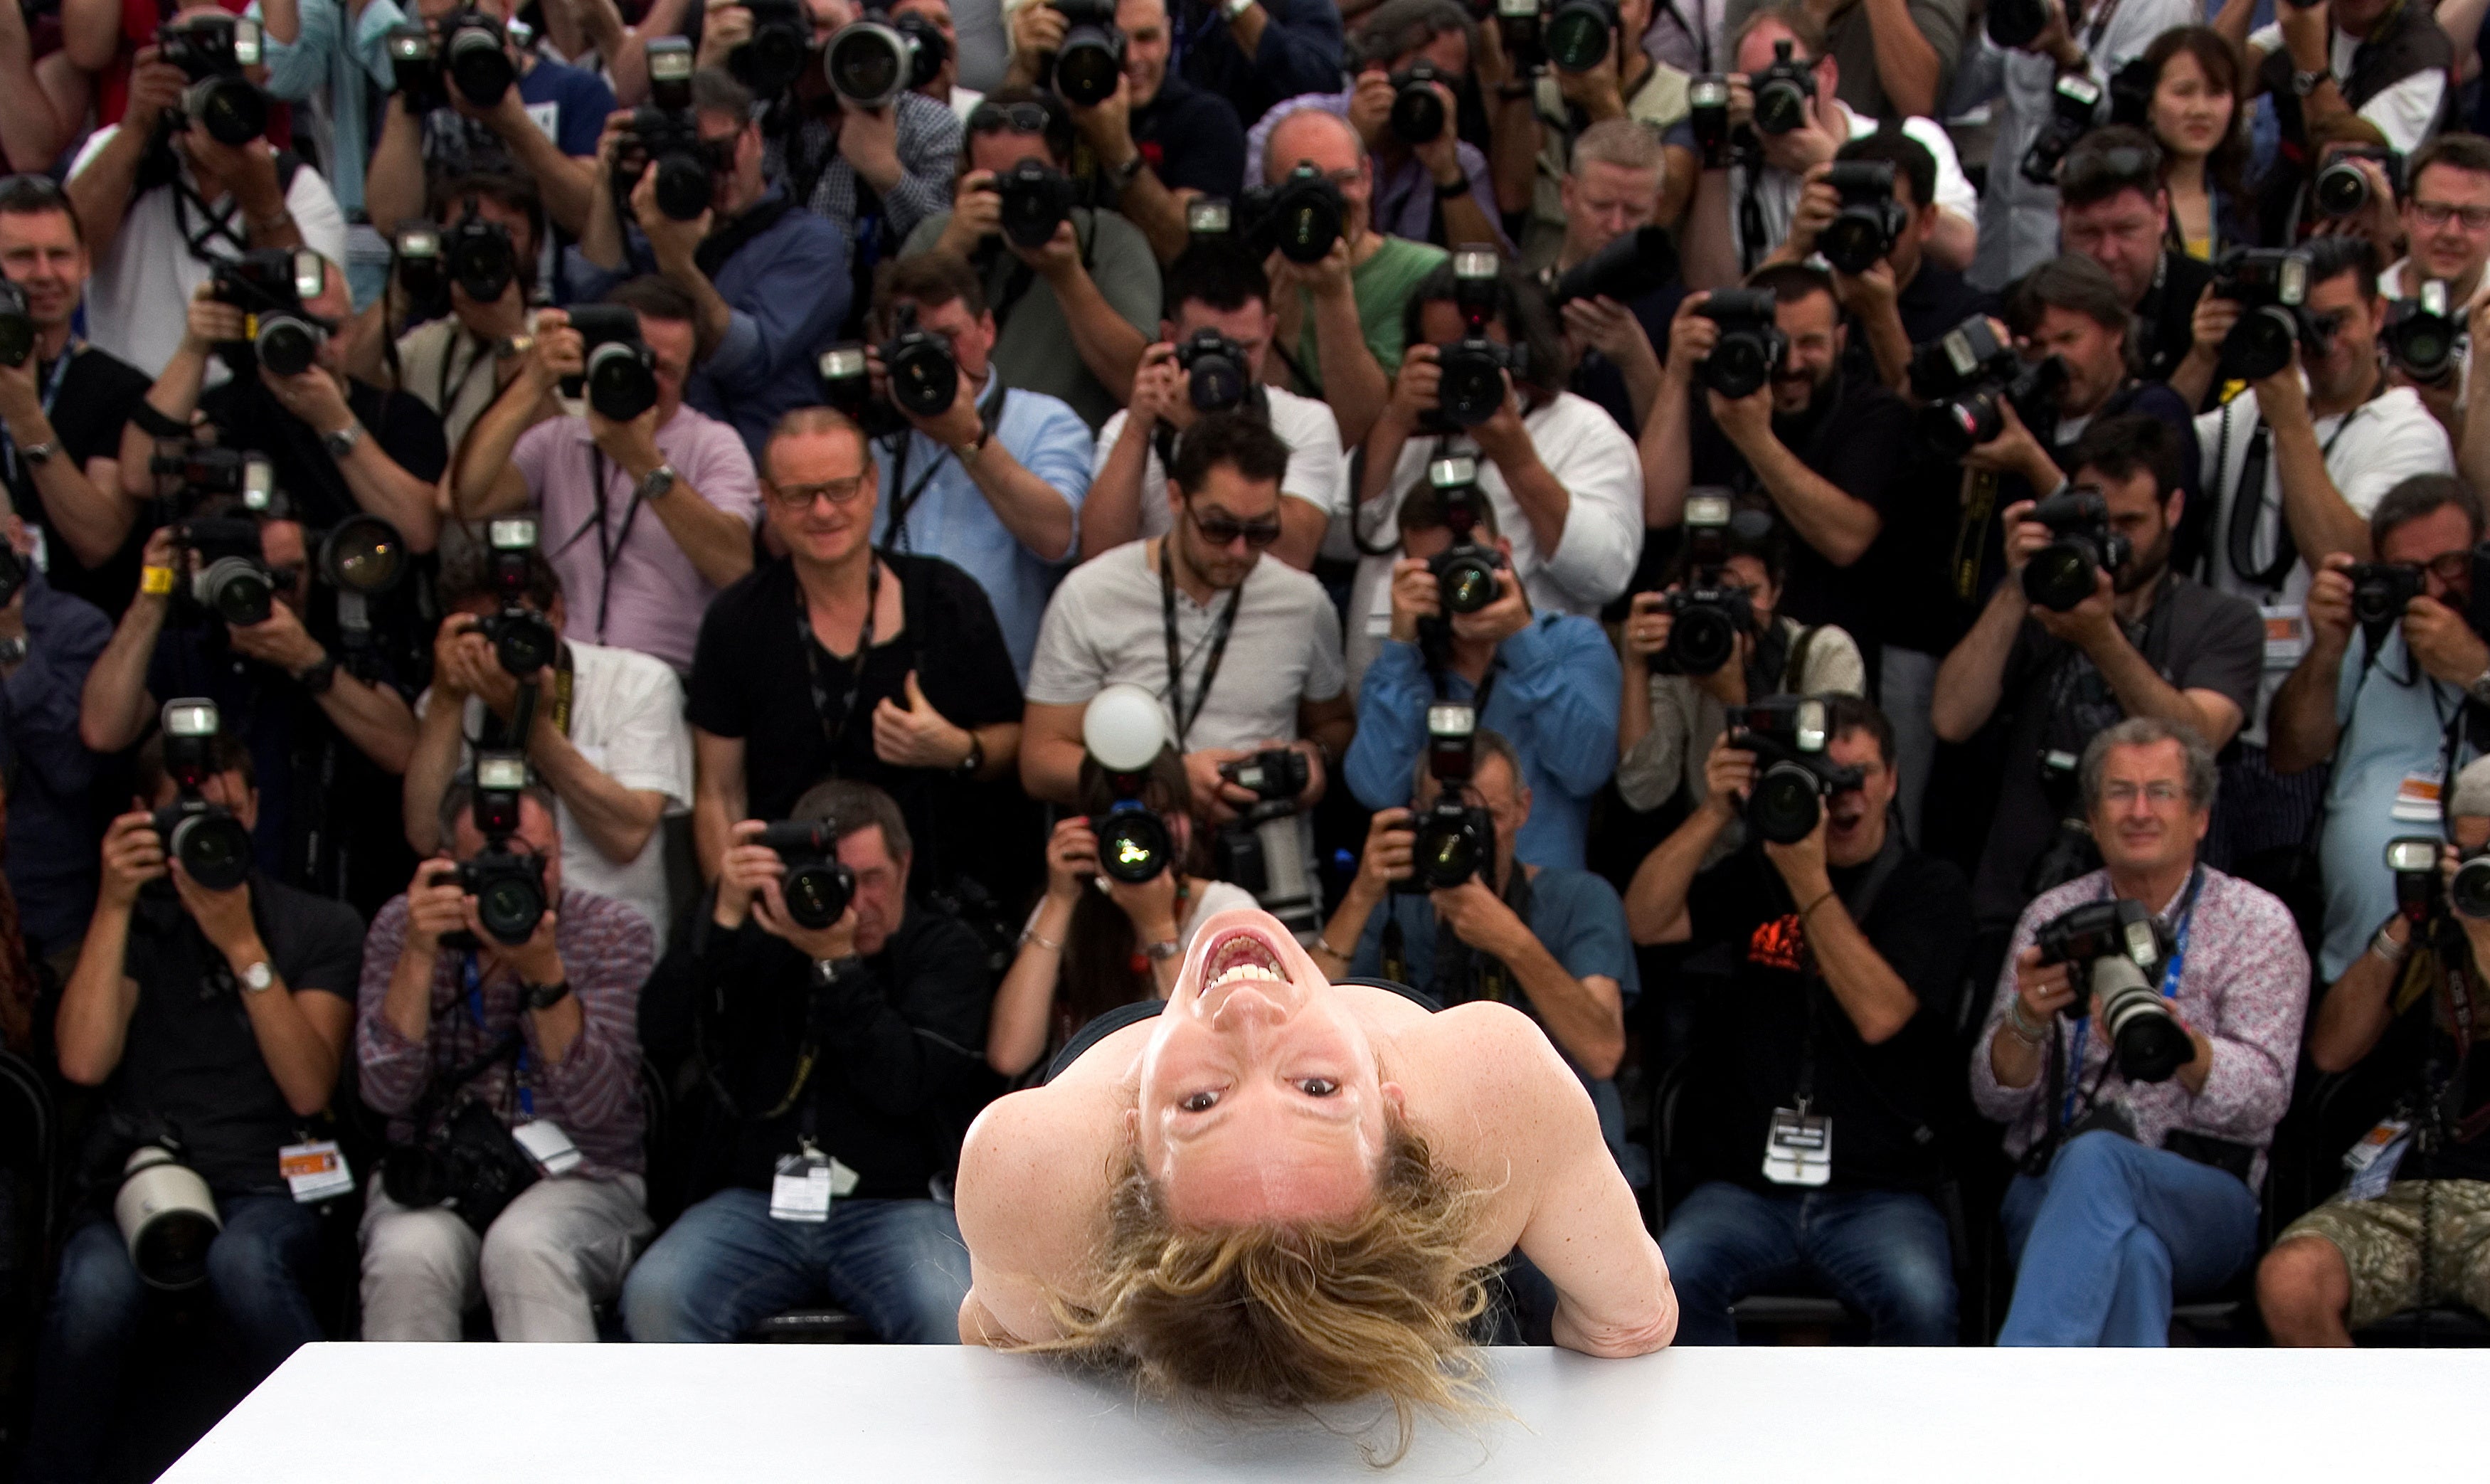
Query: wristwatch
[(1456, 190), (318, 676), (1165, 947), (1123, 175), (342, 443), (12, 649), (256, 977), (2479, 687), (1236, 9), (653, 486), (975, 762), (544, 997), (2305, 83), (828, 971), (39, 454)]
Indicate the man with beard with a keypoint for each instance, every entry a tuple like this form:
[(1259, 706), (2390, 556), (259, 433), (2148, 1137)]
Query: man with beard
[(2148, 642), (1820, 451)]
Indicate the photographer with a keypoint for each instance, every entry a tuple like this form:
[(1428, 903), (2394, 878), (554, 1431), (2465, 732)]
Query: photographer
[(2375, 693), (2327, 452), (1212, 290), (1614, 187), (2114, 209), (1898, 59), (458, 364), (1548, 682), (2385, 62), (214, 1019), (1559, 472), (336, 62), (644, 584), (2445, 220), (768, 282), (1627, 85), (1077, 953), (544, 125), (606, 736), (1827, 452), (945, 87), (1158, 141), (1882, 930), (1094, 285), (2400, 1235), (61, 410), (2135, 1191), (904, 681), (993, 484), (1253, 55), (554, 1020), (160, 204), (1667, 720), (840, 1058), (2143, 641), (49, 642), (1245, 651)]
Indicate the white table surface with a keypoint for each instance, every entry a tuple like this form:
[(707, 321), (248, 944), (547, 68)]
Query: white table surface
[(610, 1413)]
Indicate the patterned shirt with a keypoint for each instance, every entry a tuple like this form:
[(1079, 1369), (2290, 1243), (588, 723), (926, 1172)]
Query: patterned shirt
[(593, 1094), (2244, 985), (929, 143)]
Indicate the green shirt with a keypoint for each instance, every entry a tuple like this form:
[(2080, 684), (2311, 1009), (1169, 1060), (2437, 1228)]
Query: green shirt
[(1382, 284)]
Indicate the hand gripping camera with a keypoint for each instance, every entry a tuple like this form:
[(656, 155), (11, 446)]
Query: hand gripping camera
[(1788, 736), (2421, 894), (214, 51), (781, 42), (1707, 615), (270, 285), (1036, 199), (1966, 376), (1089, 62), (1472, 387), (1782, 92), (619, 371), (2116, 950), (872, 60), (663, 137), (2271, 285), (818, 886), (508, 885), (1264, 852), (2381, 593), (2074, 103), (2065, 572), (208, 841), (1466, 572), (523, 642), (1455, 840), (1214, 367), (2420, 333), (1418, 115), (2340, 190), (1751, 345), (1125, 731), (1869, 221), (1300, 218)]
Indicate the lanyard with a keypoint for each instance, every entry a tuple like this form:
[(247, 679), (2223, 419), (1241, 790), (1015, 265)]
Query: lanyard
[(1220, 629), (894, 530), (607, 553), (2170, 972), (447, 395), (52, 394), (2248, 505), (476, 1012), (811, 647)]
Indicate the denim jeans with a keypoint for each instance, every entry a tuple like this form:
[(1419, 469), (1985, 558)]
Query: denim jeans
[(259, 1268), (2104, 1242), (1883, 1252), (725, 1265)]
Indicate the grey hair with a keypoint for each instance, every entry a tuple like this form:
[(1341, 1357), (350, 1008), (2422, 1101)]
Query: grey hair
[(2146, 731)]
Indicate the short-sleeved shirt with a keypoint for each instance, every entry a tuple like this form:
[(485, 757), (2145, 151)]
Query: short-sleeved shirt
[(1382, 285), (1656, 102), (1753, 1037), (1107, 625), (1776, 190), (570, 103), (2194, 638), (1575, 914), (192, 1059), (1317, 470), (1191, 139), (1849, 39), (2394, 732), (443, 364), (96, 396), (646, 595), (250, 417)]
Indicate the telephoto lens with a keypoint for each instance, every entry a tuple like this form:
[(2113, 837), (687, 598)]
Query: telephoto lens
[(1636, 263), (362, 554), (2342, 188), (238, 590), (1577, 33), (1089, 62), (2116, 951), (870, 61), (167, 1218), (473, 57), (818, 886)]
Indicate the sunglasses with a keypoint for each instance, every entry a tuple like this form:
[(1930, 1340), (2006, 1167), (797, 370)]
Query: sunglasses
[(1223, 530), (1017, 118)]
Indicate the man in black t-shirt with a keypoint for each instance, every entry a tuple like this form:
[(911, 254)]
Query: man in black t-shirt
[(794, 679), (1159, 142), (214, 1020), (61, 410), (1821, 1069)]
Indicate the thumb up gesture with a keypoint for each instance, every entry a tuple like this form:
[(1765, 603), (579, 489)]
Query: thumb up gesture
[(915, 735)]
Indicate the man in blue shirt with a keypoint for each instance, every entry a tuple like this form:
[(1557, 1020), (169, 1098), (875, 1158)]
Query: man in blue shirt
[(769, 281), (993, 486), (1547, 683), (1256, 52), (49, 642)]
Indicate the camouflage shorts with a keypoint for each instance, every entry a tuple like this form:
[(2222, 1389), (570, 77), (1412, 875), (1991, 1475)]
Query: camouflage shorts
[(2379, 1241)]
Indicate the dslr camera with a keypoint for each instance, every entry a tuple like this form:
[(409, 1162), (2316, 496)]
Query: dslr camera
[(2065, 572), (208, 841), (1472, 387), (2075, 102), (1627, 269), (1788, 736), (1036, 198), (1418, 114), (781, 42), (2381, 592), (423, 278), (1575, 32), (2421, 895), (663, 137), (2420, 333), (2116, 951), (1455, 840), (1965, 377), (508, 885), (1124, 730), (479, 257), (167, 1216), (872, 60), (1706, 615), (270, 285), (922, 375), (1300, 218), (1214, 367), (229, 582), (1751, 345), (2272, 286), (523, 642), (416, 65), (619, 371), (1263, 851), (1466, 572), (1089, 62), (473, 55), (214, 50), (1707, 102), (16, 325), (2017, 23), (816, 888), (2340, 190), (1869, 221), (1782, 90)]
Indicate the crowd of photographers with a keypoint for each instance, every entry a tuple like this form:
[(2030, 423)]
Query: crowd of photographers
[(617, 615)]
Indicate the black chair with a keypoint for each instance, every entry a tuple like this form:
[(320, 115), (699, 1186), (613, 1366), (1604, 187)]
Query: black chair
[(825, 1324), (2426, 1328)]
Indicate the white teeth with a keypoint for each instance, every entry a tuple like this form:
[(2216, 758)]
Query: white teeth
[(1244, 971)]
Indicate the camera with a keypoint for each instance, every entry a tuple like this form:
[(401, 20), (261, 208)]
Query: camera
[(205, 469), (229, 582), (473, 55), (2381, 592), (2073, 104), (2420, 333), (1208, 217), (664, 138), (1634, 264), (479, 256), (816, 888), (1965, 355), (923, 376), (1788, 736), (870, 61), (1517, 25), (360, 556), (1706, 616), (1300, 218), (1036, 199), (213, 49), (2340, 190), (1274, 774), (2065, 572), (2070, 852), (1466, 572), (618, 368), (508, 886), (1215, 367), (780, 45), (1455, 840), (270, 285), (2419, 892), (1264, 851), (1089, 62), (1472, 385), (416, 65), (1782, 90), (523, 641), (2272, 284), (167, 1218), (1751, 345), (1125, 731), (210, 843), (1869, 221), (16, 325), (1956, 424), (1577, 33), (2117, 950), (422, 278), (1418, 114), (1707, 103), (2017, 23)]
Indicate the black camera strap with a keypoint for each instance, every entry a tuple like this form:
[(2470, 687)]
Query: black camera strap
[(805, 641), (1221, 626), (2248, 503), (447, 395), (1754, 239), (903, 504), (607, 552), (1462, 973)]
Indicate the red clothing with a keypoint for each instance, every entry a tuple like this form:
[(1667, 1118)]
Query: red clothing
[(139, 20)]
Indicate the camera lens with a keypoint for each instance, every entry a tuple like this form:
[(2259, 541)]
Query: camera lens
[(2468, 893), (510, 907), (2150, 1047), (1786, 803), (480, 66), (364, 555), (522, 642), (236, 590), (213, 847), (924, 379), (1467, 584), (1577, 37), (287, 346), (621, 384), (2060, 576), (1417, 113), (1089, 66), (817, 893), (2341, 189), (1445, 854), (2260, 344), (1132, 845), (1738, 364), (233, 111), (1700, 640), (868, 64), (1781, 105)]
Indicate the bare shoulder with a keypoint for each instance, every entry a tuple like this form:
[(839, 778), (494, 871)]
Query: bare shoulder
[(1031, 1198), (1494, 1098)]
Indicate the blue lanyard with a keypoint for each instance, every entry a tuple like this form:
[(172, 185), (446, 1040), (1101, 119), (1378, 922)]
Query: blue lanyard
[(52, 394), (476, 1012), (2171, 970)]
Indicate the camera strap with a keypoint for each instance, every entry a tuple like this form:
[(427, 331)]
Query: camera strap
[(2249, 501), (1462, 973), (894, 531), (1752, 237), (812, 648), (2171, 969), (1221, 626), (607, 552), (52, 394), (446, 396)]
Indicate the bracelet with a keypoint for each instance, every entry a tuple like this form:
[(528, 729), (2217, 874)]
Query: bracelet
[(1456, 190), (1322, 945), (2387, 948), (2019, 1027), (1805, 912), (1033, 935), (156, 581), (284, 216)]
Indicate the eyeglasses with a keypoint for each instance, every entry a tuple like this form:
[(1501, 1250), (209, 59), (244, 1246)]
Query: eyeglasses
[(2450, 567), (801, 497), (2435, 214), (1223, 530), (1019, 118), (2160, 790)]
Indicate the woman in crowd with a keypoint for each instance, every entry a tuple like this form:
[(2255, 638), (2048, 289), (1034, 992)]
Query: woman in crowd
[(2196, 118)]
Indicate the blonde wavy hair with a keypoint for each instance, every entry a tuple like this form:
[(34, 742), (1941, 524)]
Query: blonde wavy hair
[(1289, 1316)]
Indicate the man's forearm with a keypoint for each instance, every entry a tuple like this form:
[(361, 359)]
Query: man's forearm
[(1050, 767), (1035, 513), (566, 184), (381, 486), (93, 1023), (1466, 220), (100, 194), (1656, 898), (1149, 205), (301, 1062), (1907, 65), (2321, 520), (1583, 1025), (617, 820), (2353, 1014), (2193, 376), (1512, 150), (375, 718), (1111, 513), (711, 315), (176, 390), (1838, 526), (393, 186), (2141, 690), (1354, 382), (92, 520), (1543, 500), (431, 766), (1668, 460), (717, 541), (1972, 678), (1710, 255), (1348, 924), (2015, 1060), (1891, 346), (112, 710), (1869, 991), (485, 452), (2301, 728), (407, 1005)]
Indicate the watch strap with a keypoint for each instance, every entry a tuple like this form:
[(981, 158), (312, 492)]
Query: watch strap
[(41, 454), (2305, 83), (318, 676), (655, 485), (544, 997), (341, 441), (256, 977), (1165, 947), (828, 972), (2479, 687), (1456, 190), (975, 762)]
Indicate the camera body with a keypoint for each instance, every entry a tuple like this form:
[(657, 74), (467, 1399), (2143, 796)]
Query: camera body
[(167, 1217), (422, 275), (1706, 615), (1869, 221), (1455, 840), (619, 371), (1300, 218), (781, 42), (479, 257), (1751, 345), (16, 325), (2420, 333), (2017, 23), (207, 839), (1634, 264), (1214, 367), (213, 50), (1418, 112), (1788, 736), (2340, 190), (473, 57), (2116, 950), (2381, 592), (1274, 774), (523, 642), (415, 64), (230, 582), (1036, 199), (1466, 572), (2065, 572), (2272, 286), (818, 887), (873, 60), (924, 377), (1472, 387), (1782, 90), (667, 140), (1963, 376), (2074, 105), (508, 885), (2421, 893), (1264, 851), (1707, 103), (270, 286), (1089, 62)]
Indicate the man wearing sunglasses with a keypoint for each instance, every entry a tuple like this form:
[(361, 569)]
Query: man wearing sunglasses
[(2376, 701)]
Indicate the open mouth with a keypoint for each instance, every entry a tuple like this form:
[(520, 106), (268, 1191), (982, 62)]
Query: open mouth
[(1240, 955)]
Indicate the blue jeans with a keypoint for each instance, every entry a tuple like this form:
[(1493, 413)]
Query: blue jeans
[(725, 1265), (257, 1268), (1883, 1252), (2110, 1234)]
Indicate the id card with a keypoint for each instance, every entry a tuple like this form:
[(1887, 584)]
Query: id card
[(548, 1146), (314, 1171), (1798, 1148), (2286, 635), (2416, 797), (805, 1185), (2373, 1160)]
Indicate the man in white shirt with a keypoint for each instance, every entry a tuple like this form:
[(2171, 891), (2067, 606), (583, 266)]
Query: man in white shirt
[(2383, 60), (608, 736), (1217, 290)]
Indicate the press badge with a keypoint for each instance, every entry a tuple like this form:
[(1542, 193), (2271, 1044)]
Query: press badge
[(1798, 1148), (2286, 635), (314, 1171), (805, 1183), (548, 1146), (2416, 797), (2372, 1161)]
